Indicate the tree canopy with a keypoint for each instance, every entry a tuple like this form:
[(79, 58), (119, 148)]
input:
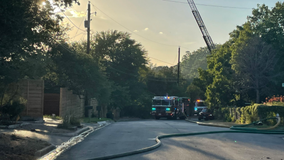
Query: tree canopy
[(249, 60)]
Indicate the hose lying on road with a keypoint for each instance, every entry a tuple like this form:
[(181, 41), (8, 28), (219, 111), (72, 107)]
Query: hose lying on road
[(235, 129)]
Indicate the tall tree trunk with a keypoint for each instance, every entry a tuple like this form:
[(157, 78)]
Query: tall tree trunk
[(257, 95), (257, 91)]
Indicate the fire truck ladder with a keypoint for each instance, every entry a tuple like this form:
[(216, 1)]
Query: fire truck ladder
[(201, 25)]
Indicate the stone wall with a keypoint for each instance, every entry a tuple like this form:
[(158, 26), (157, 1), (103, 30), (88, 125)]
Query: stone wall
[(71, 104)]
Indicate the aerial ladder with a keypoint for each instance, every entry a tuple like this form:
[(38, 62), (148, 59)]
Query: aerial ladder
[(197, 16)]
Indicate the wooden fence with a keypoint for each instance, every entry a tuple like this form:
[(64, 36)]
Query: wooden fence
[(33, 92)]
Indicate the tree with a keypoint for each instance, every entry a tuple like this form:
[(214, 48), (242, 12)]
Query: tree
[(78, 71), (254, 64), (27, 31), (191, 61), (25, 35), (121, 58), (194, 92)]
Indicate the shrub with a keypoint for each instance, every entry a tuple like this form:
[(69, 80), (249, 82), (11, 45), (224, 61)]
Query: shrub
[(12, 110), (252, 113), (75, 121)]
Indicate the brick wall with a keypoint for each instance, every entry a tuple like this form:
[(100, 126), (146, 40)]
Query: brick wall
[(70, 104)]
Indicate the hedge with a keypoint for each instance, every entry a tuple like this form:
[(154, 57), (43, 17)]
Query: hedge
[(249, 114)]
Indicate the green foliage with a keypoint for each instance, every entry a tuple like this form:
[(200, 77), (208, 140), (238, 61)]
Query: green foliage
[(192, 61), (194, 92), (250, 113), (12, 110), (74, 121), (254, 65), (162, 80), (124, 62), (11, 102), (26, 34), (268, 111), (78, 71), (247, 67)]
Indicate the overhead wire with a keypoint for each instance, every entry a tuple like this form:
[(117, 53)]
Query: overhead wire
[(80, 24), (151, 78), (162, 61), (119, 24), (77, 35), (73, 22), (133, 31), (210, 5)]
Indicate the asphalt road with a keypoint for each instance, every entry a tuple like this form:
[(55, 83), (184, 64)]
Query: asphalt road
[(131, 135)]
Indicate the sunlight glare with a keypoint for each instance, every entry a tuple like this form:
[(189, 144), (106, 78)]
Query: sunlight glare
[(43, 3)]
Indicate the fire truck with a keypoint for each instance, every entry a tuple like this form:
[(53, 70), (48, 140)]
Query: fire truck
[(167, 106)]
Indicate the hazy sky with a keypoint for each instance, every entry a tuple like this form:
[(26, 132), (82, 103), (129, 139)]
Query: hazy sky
[(161, 26)]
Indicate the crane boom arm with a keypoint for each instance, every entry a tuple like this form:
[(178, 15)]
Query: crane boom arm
[(197, 16)]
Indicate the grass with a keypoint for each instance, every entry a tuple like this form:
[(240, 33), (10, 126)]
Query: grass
[(50, 116), (94, 120)]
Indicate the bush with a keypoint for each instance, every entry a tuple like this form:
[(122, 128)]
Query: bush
[(252, 113), (109, 115), (12, 110), (74, 121)]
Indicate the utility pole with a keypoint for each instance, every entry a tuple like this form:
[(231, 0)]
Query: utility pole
[(88, 28), (178, 65)]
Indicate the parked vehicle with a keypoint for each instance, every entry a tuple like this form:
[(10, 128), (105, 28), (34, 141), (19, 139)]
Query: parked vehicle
[(206, 114), (199, 105), (168, 107)]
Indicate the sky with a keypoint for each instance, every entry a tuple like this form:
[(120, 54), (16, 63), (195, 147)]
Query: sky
[(161, 26)]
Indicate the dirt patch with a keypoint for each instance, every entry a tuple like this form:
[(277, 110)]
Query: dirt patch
[(19, 148)]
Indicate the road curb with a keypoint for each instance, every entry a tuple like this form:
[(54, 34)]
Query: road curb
[(191, 121), (208, 124), (213, 125), (82, 133), (44, 151)]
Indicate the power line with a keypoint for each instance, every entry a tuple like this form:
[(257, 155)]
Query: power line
[(210, 5), (72, 22), (152, 78), (175, 58), (77, 35), (80, 24), (133, 31), (162, 61)]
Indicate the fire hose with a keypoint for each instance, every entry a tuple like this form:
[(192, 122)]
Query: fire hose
[(234, 129)]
